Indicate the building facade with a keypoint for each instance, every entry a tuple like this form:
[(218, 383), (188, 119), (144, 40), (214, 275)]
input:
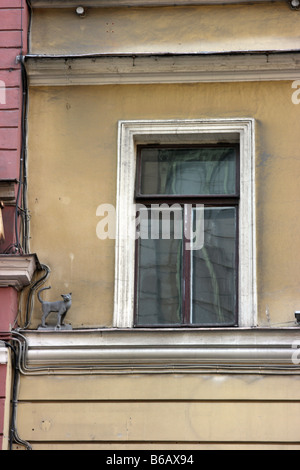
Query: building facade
[(159, 196), (13, 45)]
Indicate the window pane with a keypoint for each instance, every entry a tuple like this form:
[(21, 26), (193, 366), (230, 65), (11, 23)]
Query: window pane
[(160, 272), (214, 270), (190, 171)]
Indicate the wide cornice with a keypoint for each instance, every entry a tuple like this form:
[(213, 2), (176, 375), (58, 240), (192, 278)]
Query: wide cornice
[(241, 349), (102, 69)]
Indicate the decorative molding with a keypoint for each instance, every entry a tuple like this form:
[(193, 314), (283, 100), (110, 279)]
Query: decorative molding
[(162, 349), (169, 68), (7, 191), (3, 353), (17, 270), (189, 131), (136, 3)]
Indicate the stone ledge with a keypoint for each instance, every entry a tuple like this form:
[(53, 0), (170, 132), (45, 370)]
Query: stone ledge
[(17, 270), (113, 349), (169, 68)]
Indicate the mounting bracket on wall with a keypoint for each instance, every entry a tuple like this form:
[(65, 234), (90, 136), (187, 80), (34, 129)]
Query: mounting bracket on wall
[(297, 316), (7, 191), (7, 198), (294, 4)]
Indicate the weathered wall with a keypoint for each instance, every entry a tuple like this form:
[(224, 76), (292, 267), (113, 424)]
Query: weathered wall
[(2, 400), (72, 169), (13, 40), (192, 412), (5, 397), (178, 30)]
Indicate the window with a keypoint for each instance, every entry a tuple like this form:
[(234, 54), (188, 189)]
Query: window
[(167, 281), (187, 252)]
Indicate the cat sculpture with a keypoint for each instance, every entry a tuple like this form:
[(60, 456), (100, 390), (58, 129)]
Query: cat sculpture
[(59, 307)]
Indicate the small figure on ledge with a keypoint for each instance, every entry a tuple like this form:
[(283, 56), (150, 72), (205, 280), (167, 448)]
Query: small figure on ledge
[(60, 307)]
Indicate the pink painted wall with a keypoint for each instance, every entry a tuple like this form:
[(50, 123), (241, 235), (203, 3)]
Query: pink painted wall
[(8, 308), (13, 42), (2, 400)]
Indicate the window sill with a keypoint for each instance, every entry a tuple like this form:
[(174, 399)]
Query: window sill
[(169, 350)]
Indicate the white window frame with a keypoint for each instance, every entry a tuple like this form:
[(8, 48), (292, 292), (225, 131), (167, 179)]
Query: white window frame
[(132, 133)]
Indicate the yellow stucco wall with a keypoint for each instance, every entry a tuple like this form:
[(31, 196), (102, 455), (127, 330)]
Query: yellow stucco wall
[(157, 411), (72, 163), (180, 30), (72, 170)]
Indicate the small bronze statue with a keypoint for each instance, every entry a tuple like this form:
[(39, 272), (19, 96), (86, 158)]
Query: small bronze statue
[(60, 307)]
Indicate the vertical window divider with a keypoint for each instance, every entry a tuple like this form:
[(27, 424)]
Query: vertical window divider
[(187, 265)]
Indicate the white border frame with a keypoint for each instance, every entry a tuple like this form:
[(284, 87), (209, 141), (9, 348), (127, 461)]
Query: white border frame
[(181, 131)]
